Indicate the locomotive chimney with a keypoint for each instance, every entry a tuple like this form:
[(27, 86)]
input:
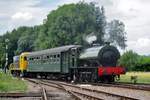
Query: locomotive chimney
[(107, 43), (94, 44)]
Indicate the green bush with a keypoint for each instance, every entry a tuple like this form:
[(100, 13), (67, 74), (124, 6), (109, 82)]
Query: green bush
[(134, 62), (9, 83)]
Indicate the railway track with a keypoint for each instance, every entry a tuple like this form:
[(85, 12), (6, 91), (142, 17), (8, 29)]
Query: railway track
[(20, 96), (55, 85), (81, 93), (145, 87), (76, 92)]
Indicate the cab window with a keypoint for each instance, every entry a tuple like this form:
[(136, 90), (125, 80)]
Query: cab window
[(25, 58)]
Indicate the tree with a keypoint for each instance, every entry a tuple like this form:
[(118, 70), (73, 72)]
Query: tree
[(143, 64), (116, 32), (101, 24), (129, 60), (41, 38), (25, 44), (2, 53), (69, 23)]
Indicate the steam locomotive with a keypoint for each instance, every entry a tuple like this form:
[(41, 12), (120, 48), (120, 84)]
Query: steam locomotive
[(71, 62)]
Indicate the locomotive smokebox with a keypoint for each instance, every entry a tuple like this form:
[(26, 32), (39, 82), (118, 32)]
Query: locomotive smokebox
[(106, 55)]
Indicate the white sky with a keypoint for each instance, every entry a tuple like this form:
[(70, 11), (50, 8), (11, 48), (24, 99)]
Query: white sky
[(134, 13)]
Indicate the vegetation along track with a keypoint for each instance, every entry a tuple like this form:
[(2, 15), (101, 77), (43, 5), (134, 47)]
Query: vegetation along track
[(24, 96), (81, 93), (40, 95)]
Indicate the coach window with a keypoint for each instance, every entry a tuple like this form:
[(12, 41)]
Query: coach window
[(47, 57), (54, 56), (49, 61), (27, 58), (30, 60), (57, 60), (34, 58), (53, 59), (37, 58), (50, 56), (73, 62)]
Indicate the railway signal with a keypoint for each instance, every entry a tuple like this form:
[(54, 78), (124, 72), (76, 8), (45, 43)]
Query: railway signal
[(6, 63)]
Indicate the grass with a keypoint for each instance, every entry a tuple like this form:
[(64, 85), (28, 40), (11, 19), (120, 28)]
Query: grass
[(142, 77), (11, 84)]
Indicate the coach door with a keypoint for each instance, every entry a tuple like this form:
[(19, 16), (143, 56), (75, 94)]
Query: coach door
[(64, 62), (73, 58)]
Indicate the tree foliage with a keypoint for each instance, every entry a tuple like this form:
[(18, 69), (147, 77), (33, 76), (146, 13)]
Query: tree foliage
[(69, 23), (116, 32), (129, 60), (143, 64), (134, 62)]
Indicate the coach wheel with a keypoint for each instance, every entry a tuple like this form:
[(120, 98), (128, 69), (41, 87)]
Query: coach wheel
[(23, 74), (68, 78)]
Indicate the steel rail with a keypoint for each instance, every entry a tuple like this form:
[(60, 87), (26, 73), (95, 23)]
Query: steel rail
[(123, 85), (58, 86), (43, 90), (45, 97), (15, 95), (91, 90)]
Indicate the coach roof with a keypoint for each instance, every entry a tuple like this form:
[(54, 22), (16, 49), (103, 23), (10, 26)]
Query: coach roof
[(54, 50)]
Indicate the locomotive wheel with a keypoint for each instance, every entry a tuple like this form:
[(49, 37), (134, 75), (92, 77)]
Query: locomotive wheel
[(107, 79), (112, 79), (13, 73), (21, 74)]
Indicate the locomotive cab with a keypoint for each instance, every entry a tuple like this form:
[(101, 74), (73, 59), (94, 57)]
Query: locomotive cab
[(23, 63)]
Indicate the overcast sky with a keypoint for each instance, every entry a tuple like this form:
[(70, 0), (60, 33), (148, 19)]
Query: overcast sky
[(134, 13)]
